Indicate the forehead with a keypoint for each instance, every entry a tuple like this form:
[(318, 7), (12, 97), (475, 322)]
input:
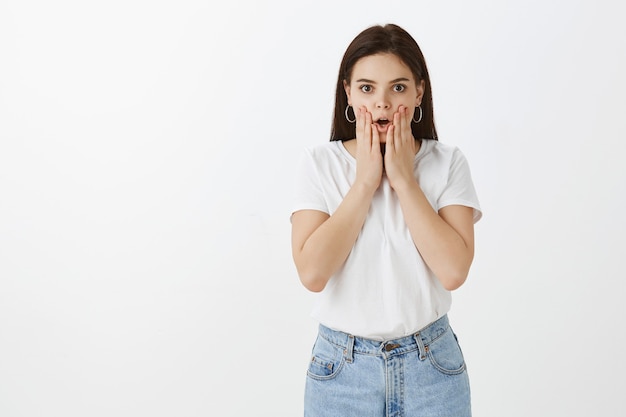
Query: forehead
[(380, 67)]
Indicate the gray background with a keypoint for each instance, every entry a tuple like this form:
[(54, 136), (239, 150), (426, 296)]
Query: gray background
[(146, 160)]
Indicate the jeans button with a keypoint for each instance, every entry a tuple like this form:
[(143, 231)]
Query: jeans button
[(391, 346)]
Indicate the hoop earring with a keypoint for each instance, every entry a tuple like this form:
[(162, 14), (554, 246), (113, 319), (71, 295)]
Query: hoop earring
[(420, 118), (347, 117)]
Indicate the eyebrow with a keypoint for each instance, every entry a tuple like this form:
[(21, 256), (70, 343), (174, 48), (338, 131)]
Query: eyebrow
[(365, 80)]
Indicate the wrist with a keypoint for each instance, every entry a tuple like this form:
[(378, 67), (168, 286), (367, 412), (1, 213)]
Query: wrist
[(365, 188), (403, 186)]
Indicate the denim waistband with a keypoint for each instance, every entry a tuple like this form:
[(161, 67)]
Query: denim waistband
[(355, 344)]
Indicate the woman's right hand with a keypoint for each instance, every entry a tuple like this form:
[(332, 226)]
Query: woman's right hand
[(369, 159)]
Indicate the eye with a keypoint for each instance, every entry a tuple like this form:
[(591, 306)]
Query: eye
[(366, 88), (398, 88)]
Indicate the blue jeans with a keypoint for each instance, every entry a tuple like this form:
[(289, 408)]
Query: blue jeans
[(419, 375)]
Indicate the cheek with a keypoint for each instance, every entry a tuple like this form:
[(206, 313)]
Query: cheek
[(408, 103), (359, 101)]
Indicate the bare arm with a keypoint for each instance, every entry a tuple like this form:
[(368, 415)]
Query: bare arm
[(445, 240), (321, 243)]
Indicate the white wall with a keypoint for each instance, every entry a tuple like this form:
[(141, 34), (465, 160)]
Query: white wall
[(147, 151)]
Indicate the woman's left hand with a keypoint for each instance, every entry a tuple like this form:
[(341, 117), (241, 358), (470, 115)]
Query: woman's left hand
[(400, 150)]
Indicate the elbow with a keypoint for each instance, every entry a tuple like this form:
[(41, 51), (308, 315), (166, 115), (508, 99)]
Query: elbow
[(314, 287), (311, 276), (452, 280), (454, 274), (312, 280)]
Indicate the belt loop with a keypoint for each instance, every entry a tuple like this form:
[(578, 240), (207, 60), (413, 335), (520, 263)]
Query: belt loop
[(349, 350), (420, 346)]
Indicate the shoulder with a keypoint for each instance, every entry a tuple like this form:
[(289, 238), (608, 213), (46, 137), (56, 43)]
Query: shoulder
[(434, 148), (441, 153), (325, 153), (322, 149)]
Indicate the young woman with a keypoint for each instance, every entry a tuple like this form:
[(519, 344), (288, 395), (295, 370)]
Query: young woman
[(383, 229)]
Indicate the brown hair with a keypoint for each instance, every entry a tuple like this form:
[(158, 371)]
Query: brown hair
[(375, 40)]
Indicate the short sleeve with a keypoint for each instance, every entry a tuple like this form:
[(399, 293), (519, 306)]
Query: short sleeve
[(459, 189), (308, 193)]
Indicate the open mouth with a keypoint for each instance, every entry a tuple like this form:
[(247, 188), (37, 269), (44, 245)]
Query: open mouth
[(382, 122)]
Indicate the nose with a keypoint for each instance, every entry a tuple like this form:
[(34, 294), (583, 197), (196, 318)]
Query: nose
[(382, 102)]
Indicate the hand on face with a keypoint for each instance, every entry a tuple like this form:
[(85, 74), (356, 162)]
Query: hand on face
[(400, 149), (369, 159)]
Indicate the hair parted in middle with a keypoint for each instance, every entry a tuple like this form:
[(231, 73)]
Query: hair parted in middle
[(374, 40)]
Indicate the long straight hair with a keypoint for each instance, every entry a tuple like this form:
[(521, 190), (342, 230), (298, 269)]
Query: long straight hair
[(375, 40)]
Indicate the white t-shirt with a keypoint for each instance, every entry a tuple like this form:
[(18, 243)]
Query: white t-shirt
[(384, 289)]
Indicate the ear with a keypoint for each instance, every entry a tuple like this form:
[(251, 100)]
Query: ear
[(346, 88), (420, 92)]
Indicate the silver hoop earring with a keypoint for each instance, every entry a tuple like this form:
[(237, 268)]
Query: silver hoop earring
[(420, 118), (348, 117)]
